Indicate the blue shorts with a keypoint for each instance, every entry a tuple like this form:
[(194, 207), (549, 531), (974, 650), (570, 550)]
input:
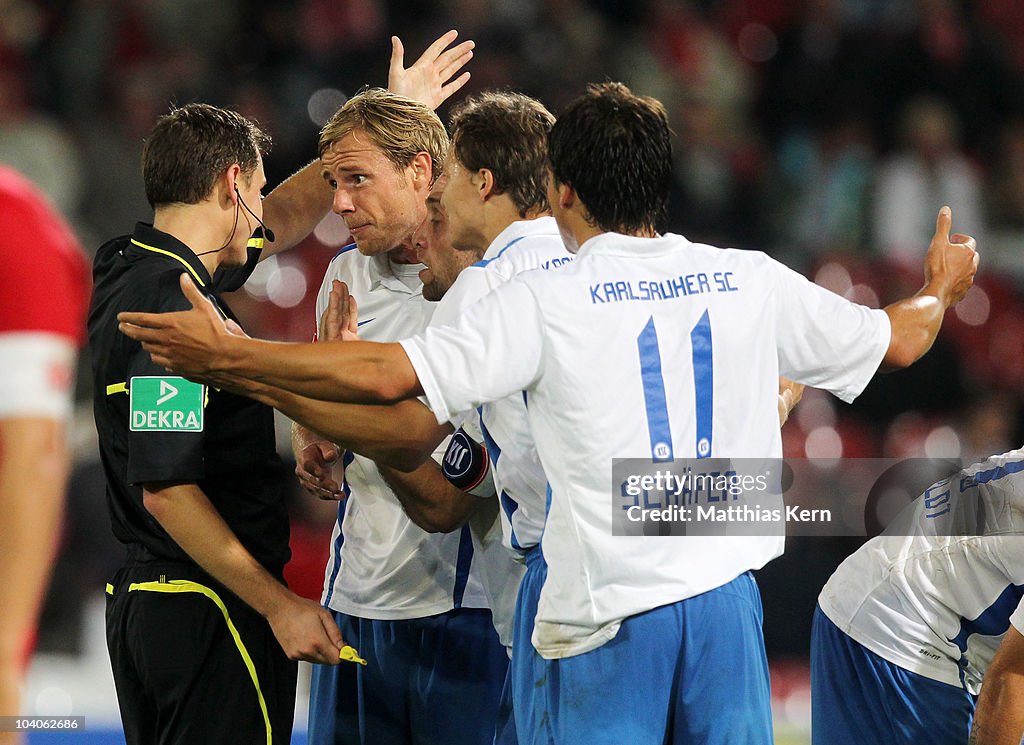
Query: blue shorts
[(505, 729), (427, 681), (693, 671), (859, 697)]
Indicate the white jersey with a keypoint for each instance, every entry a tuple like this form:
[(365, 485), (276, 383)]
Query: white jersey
[(383, 565), (938, 605), (644, 348), (518, 476)]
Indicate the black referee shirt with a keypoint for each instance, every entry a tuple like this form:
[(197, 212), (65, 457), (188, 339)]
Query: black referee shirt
[(154, 426)]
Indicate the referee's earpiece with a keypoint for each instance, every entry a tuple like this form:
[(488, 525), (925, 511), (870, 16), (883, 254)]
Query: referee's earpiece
[(257, 240), (266, 231)]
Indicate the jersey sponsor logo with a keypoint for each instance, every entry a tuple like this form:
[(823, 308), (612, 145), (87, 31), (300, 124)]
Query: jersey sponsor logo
[(167, 392), (165, 404)]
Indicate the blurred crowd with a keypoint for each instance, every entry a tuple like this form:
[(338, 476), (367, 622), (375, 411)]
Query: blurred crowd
[(826, 132)]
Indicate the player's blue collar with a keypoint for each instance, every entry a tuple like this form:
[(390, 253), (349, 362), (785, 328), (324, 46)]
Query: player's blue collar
[(485, 262), (516, 230)]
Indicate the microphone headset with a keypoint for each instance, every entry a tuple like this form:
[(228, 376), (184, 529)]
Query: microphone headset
[(255, 241), (266, 231)]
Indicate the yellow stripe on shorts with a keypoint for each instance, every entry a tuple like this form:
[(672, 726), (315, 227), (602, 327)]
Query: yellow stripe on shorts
[(184, 585)]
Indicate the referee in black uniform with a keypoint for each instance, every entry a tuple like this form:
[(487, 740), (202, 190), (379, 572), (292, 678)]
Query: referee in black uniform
[(202, 632)]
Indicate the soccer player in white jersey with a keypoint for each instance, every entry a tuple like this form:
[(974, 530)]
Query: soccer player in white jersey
[(496, 203), (496, 197), (644, 346), (495, 189), (907, 627), (502, 226), (409, 601)]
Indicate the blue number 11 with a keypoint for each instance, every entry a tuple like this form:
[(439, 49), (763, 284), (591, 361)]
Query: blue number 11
[(654, 389)]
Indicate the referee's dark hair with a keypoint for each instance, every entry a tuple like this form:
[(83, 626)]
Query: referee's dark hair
[(506, 133), (189, 148), (613, 148)]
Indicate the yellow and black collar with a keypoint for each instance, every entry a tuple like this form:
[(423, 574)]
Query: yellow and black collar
[(147, 238)]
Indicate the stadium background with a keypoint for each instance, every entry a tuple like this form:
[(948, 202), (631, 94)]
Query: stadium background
[(826, 132)]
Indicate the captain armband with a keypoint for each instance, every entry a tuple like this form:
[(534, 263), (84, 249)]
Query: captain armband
[(467, 466)]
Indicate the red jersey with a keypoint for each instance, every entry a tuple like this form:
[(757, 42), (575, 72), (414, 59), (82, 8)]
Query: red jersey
[(46, 282)]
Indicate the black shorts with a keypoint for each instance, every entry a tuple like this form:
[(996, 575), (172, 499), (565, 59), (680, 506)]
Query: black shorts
[(194, 664)]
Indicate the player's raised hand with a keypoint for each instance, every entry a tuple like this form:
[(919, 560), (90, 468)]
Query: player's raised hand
[(186, 342), (340, 322), (429, 79), (951, 262), (306, 631)]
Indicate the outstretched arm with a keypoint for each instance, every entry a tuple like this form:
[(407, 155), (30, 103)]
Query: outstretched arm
[(381, 433), (401, 435), (197, 344), (949, 268), (999, 718)]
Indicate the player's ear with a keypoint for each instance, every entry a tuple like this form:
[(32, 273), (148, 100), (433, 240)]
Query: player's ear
[(422, 166), (486, 186), (566, 196), (560, 194)]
